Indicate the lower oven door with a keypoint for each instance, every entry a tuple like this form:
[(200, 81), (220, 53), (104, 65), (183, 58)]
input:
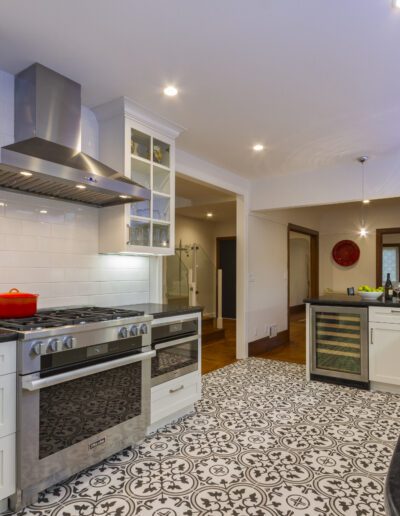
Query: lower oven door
[(174, 358), (72, 420)]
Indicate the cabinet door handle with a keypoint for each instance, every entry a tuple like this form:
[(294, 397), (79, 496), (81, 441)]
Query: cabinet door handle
[(395, 311), (372, 336), (171, 391)]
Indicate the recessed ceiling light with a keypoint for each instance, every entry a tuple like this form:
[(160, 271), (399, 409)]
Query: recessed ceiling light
[(170, 91), (81, 187), (26, 174), (258, 147), (43, 211), (2, 204), (124, 196), (396, 3), (366, 201), (209, 214)]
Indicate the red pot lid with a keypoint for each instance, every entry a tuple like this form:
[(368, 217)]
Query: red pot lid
[(346, 253), (15, 293)]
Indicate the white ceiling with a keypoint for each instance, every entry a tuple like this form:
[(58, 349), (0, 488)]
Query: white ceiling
[(316, 81), (222, 212), (196, 199)]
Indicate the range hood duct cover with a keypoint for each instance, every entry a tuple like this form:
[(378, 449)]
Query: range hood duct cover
[(48, 138)]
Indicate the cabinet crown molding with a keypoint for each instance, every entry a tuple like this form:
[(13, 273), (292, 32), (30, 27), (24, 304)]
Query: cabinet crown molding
[(128, 108)]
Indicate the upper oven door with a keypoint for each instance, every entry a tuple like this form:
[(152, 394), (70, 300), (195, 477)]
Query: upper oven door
[(73, 417), (174, 330), (173, 359)]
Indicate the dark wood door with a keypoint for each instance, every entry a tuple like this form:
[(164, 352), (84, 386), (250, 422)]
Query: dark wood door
[(226, 260)]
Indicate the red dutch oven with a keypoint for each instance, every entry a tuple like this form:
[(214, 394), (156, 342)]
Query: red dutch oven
[(16, 304)]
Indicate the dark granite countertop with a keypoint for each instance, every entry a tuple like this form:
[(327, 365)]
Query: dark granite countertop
[(7, 335), (345, 300), (158, 311), (392, 487)]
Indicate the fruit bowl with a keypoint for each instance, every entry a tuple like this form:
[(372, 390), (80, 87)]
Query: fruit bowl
[(370, 296)]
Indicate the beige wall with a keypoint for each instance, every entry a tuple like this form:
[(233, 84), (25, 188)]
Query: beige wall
[(343, 222), (299, 268), (267, 282), (204, 233), (268, 254)]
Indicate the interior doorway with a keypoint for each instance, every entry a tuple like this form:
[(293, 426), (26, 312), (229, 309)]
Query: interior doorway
[(226, 261), (204, 216), (303, 280)]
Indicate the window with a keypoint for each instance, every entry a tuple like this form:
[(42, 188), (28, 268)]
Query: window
[(390, 263)]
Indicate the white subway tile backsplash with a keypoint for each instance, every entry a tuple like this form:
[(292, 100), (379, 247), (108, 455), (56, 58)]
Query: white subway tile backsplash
[(55, 255)]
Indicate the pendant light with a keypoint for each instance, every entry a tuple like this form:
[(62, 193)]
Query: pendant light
[(363, 230)]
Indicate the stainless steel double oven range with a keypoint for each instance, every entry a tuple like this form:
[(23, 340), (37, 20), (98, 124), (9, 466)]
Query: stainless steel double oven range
[(83, 391)]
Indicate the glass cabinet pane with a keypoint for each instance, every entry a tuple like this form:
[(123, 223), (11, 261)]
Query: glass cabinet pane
[(139, 233), (141, 172), (338, 341), (141, 209), (161, 152), (160, 235), (140, 144), (160, 207), (161, 180)]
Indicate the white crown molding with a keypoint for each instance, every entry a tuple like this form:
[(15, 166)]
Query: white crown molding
[(128, 108)]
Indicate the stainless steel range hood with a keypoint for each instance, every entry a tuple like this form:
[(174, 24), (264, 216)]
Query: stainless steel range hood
[(44, 160)]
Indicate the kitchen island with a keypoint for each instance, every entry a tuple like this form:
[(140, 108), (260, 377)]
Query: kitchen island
[(354, 341)]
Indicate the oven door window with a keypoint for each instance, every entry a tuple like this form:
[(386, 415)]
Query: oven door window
[(79, 409), (174, 358)]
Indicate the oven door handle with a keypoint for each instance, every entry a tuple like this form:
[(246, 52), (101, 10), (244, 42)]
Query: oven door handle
[(36, 384), (172, 343)]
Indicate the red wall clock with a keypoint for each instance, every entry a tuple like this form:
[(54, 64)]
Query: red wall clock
[(346, 253)]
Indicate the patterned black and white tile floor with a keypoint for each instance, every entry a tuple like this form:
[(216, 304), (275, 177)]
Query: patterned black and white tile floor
[(262, 441)]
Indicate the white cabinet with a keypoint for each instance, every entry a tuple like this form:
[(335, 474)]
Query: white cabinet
[(384, 353), (141, 145), (172, 399), (7, 466), (8, 389)]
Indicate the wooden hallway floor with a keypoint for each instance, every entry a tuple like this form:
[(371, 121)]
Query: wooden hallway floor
[(295, 350), (218, 353), (221, 352)]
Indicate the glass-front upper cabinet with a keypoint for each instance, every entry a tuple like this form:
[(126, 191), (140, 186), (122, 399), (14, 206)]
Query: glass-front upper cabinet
[(150, 221), (133, 140)]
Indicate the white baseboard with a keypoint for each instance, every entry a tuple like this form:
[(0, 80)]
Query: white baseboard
[(385, 387)]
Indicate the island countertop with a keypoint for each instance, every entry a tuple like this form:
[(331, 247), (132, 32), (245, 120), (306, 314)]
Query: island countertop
[(345, 300)]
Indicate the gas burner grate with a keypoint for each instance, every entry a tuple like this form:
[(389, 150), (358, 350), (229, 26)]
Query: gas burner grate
[(37, 322), (53, 318)]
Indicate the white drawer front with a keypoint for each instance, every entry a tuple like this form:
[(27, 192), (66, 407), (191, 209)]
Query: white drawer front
[(7, 404), (8, 357), (7, 466), (172, 396), (384, 314)]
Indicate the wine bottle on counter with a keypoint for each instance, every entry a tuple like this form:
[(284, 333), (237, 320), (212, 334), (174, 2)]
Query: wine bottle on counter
[(388, 288)]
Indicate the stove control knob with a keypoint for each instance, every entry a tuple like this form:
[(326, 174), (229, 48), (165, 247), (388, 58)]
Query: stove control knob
[(54, 345), (134, 331), (123, 332), (144, 329), (36, 348), (69, 342)]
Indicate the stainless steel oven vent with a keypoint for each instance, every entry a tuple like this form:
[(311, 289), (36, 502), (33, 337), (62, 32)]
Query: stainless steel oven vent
[(46, 159)]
